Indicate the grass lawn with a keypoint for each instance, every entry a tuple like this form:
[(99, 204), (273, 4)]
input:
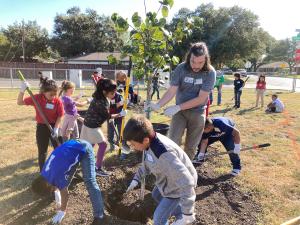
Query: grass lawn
[(273, 173)]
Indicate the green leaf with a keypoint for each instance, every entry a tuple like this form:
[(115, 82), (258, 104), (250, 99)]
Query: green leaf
[(170, 3), (175, 60), (114, 17), (122, 24), (165, 11), (136, 19), (112, 59), (162, 22), (158, 34)]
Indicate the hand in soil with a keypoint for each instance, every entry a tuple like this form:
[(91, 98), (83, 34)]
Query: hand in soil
[(58, 217), (132, 185)]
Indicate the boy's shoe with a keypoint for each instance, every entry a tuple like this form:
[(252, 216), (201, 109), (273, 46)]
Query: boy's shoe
[(186, 219), (99, 221), (102, 173), (235, 172), (199, 159)]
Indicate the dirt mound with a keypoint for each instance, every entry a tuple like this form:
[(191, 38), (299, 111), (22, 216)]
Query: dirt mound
[(219, 199)]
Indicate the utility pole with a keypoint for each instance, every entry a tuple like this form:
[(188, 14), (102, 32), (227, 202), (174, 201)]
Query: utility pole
[(23, 40)]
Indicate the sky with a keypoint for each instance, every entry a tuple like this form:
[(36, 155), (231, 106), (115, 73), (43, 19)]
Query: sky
[(279, 18)]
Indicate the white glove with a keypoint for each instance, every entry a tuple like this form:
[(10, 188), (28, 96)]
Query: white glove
[(58, 217), (132, 185), (57, 198), (237, 148), (23, 86), (89, 100), (151, 106), (186, 219), (55, 132), (172, 110), (123, 113), (121, 102)]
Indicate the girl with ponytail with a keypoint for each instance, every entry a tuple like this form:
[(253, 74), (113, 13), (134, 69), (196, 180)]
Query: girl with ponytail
[(96, 115), (70, 125), (53, 109)]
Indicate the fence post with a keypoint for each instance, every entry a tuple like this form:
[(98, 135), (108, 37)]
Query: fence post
[(66, 73), (294, 84), (11, 78)]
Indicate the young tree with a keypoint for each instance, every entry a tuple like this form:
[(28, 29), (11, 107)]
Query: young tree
[(150, 42)]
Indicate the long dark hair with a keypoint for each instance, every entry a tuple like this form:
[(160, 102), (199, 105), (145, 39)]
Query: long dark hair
[(106, 85), (198, 49), (47, 85), (264, 82)]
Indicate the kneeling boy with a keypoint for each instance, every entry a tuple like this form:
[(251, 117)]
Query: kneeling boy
[(176, 177), (221, 129)]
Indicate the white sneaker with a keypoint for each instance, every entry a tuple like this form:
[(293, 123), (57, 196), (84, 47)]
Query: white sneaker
[(186, 219), (235, 172)]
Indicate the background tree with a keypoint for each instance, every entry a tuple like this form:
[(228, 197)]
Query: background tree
[(35, 40), (230, 33), (283, 50), (76, 33)]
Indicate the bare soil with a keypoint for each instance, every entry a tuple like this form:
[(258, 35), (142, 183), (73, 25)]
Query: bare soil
[(219, 199)]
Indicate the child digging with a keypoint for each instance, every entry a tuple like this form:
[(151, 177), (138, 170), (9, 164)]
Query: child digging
[(53, 109), (96, 115), (57, 174), (176, 177)]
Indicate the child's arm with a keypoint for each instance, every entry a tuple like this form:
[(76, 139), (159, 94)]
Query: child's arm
[(20, 99), (203, 145)]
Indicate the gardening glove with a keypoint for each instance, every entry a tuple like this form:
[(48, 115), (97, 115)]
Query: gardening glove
[(151, 106), (57, 199), (172, 110), (186, 219), (237, 148), (132, 185), (58, 217), (23, 86), (123, 113), (55, 132)]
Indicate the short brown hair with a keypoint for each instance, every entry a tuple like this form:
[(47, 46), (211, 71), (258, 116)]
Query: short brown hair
[(137, 128), (41, 187), (208, 122), (238, 75), (198, 49)]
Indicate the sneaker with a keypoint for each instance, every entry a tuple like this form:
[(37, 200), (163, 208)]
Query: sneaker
[(186, 219), (199, 159), (102, 173), (235, 172)]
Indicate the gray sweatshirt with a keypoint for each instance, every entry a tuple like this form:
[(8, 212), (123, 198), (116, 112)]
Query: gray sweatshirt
[(175, 174)]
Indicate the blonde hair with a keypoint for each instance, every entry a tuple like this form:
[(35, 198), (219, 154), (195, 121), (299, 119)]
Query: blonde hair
[(66, 85)]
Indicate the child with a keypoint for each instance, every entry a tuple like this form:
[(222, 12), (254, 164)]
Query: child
[(70, 125), (96, 115), (238, 86), (276, 105), (176, 177), (223, 130), (219, 82), (116, 105), (53, 109), (58, 173), (155, 86), (260, 90)]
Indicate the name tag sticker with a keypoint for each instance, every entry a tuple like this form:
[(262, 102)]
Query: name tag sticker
[(149, 158), (49, 106), (198, 81), (189, 80)]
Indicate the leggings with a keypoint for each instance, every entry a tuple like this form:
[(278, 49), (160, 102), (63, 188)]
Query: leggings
[(100, 154)]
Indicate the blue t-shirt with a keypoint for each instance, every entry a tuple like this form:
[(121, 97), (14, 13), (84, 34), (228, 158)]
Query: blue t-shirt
[(238, 84), (62, 161), (223, 127)]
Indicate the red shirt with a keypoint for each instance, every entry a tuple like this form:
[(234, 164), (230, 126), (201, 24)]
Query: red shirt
[(52, 109), (261, 85)]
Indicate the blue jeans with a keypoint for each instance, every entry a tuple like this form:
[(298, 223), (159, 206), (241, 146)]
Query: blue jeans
[(211, 95), (89, 177), (237, 98), (155, 89), (166, 208)]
